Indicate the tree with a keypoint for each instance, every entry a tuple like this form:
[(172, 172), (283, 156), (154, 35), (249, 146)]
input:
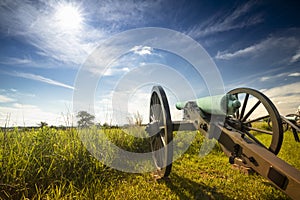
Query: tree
[(43, 124), (85, 119)]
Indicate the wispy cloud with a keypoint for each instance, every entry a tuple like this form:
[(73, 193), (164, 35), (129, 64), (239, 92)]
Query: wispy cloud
[(13, 95), (39, 78), (27, 61), (5, 99), (15, 61), (222, 22), (13, 90), (267, 46), (18, 94), (266, 78)]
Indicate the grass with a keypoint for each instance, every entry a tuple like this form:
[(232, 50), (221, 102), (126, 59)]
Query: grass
[(54, 164)]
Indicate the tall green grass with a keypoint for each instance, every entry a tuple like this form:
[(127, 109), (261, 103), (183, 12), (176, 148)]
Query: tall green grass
[(54, 164), (34, 162)]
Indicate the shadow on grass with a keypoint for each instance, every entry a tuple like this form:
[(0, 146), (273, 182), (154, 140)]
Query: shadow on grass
[(188, 189)]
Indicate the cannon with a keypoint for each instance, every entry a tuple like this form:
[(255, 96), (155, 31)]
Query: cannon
[(290, 120), (234, 116)]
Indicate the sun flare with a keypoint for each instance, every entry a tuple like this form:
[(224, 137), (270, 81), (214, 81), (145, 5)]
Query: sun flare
[(68, 17)]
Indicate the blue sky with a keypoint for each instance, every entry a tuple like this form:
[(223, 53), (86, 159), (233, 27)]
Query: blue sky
[(44, 44)]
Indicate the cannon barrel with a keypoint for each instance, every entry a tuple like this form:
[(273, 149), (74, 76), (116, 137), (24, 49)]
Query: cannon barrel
[(291, 118), (218, 105)]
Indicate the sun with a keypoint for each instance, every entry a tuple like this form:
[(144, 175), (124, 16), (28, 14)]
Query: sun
[(68, 17)]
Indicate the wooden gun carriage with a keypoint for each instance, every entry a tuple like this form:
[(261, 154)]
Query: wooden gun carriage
[(228, 115)]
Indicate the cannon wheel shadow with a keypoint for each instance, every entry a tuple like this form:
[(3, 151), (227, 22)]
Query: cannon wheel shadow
[(183, 186)]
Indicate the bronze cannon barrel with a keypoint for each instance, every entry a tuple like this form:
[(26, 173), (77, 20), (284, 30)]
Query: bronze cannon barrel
[(226, 104)]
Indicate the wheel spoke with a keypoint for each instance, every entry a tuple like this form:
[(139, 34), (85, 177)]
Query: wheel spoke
[(163, 139), (254, 139), (258, 119), (237, 114), (154, 112), (158, 110), (158, 156), (152, 116), (260, 130), (251, 111), (160, 116), (244, 106)]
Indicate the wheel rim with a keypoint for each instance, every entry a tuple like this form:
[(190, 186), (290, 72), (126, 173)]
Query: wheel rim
[(159, 112), (253, 116)]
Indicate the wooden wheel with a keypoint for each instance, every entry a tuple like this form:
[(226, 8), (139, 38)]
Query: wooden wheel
[(160, 114), (252, 119)]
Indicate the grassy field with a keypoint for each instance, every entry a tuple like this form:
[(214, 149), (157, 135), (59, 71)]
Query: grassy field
[(54, 164)]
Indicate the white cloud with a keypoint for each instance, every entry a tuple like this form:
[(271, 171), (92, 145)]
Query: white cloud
[(266, 78), (296, 57), (18, 106), (125, 69), (294, 74), (115, 71), (242, 52), (286, 97), (142, 50), (119, 58), (222, 22), (28, 115), (40, 78), (5, 99), (268, 45)]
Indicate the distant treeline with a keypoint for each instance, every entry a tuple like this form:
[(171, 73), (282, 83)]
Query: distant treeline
[(34, 128), (25, 128)]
